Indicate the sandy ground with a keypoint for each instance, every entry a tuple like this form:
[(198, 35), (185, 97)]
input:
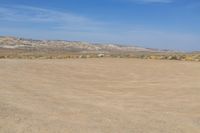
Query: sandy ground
[(99, 96)]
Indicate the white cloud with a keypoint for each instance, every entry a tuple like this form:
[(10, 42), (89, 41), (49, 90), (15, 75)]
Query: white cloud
[(152, 1), (157, 1), (30, 22), (57, 19)]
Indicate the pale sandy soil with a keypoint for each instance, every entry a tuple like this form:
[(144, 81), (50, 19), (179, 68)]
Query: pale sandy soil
[(99, 96)]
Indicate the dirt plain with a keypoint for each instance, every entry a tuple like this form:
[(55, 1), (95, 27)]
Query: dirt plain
[(99, 96)]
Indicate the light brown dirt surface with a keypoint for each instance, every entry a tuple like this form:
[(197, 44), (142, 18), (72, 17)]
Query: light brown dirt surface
[(99, 96)]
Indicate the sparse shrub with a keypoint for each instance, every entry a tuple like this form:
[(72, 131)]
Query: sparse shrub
[(173, 57), (189, 58), (2, 57)]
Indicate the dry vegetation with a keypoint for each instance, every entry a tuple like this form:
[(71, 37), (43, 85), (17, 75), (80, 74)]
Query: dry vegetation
[(20, 48), (35, 54), (108, 95)]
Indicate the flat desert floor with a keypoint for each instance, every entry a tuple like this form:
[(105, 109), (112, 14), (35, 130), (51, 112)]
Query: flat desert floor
[(99, 96)]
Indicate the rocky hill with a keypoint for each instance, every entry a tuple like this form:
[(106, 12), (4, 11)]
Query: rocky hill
[(13, 47), (70, 46)]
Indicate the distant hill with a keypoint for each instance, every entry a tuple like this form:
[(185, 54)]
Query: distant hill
[(13, 47), (70, 46)]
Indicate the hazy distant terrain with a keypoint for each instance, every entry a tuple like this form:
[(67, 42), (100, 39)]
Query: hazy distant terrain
[(12, 47), (99, 96), (59, 45)]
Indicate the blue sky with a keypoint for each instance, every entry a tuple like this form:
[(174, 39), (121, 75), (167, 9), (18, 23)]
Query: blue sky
[(163, 24)]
